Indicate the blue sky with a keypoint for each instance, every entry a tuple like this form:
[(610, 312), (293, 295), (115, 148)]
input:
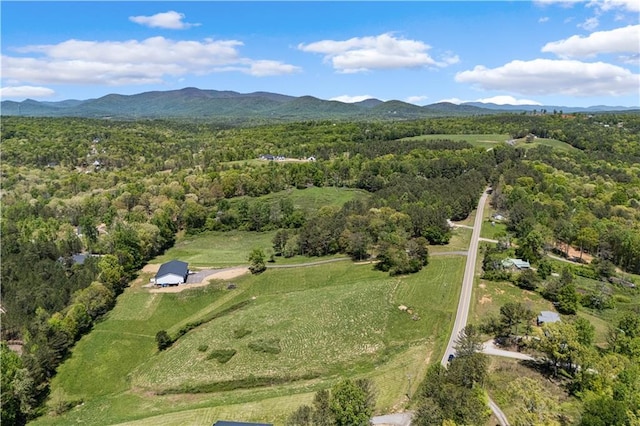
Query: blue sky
[(565, 53)]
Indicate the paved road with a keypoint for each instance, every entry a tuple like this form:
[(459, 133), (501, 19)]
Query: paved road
[(465, 297), (467, 281)]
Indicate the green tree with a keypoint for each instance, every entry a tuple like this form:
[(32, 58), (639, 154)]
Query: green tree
[(533, 407), (513, 315), (350, 404), (163, 340), (257, 261)]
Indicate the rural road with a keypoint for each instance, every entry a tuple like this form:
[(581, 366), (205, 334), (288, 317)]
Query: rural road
[(465, 297), (467, 281)]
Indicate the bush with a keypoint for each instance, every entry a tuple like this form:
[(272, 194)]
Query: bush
[(163, 340), (203, 348), (239, 333), (270, 346), (221, 355)]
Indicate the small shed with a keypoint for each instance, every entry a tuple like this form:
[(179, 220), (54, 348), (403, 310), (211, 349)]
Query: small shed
[(548, 317), (174, 272), (230, 423)]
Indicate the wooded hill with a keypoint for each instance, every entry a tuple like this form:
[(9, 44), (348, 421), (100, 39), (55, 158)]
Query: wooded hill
[(237, 107), (124, 189)]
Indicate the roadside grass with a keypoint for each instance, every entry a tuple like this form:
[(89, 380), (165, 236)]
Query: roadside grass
[(333, 320), (503, 371), (492, 231), (460, 240), (489, 296)]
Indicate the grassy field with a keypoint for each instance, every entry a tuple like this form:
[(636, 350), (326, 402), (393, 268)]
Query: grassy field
[(553, 143), (330, 321), (217, 249), (484, 141), (489, 141)]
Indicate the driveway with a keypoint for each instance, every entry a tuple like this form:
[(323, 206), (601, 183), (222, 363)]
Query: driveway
[(399, 419), (490, 348)]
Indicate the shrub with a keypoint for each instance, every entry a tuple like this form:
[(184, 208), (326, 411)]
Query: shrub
[(239, 333), (163, 340), (221, 355), (270, 346), (203, 348)]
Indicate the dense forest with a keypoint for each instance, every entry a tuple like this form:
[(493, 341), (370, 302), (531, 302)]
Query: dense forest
[(119, 192)]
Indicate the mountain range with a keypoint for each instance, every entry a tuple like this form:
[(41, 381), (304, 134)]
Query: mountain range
[(192, 102)]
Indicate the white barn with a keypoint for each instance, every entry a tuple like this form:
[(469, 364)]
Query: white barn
[(174, 272)]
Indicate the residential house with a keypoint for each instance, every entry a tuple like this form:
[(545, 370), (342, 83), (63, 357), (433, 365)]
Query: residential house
[(515, 264), (547, 317)]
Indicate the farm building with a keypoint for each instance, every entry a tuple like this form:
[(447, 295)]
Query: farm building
[(172, 273), (548, 317)]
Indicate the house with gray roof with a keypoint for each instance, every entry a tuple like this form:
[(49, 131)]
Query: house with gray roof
[(548, 317), (174, 272), (518, 264)]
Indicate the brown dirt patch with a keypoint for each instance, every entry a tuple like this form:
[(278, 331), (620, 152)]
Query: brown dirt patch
[(482, 285), (485, 299)]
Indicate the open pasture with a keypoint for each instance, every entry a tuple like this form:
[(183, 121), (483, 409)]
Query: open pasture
[(477, 140), (331, 320)]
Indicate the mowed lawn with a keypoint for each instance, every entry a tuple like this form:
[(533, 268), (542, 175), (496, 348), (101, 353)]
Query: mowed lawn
[(331, 320)]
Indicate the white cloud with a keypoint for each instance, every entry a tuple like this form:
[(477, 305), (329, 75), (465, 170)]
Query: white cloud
[(416, 100), (456, 101), (607, 5), (25, 92), (171, 20), (562, 3), (543, 19), (385, 51), (507, 100), (498, 100), (131, 62), (548, 77), (268, 68), (590, 24), (351, 99), (619, 40)]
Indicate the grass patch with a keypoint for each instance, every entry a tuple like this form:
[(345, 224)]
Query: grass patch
[(221, 355), (553, 143), (217, 249), (267, 346), (477, 140), (239, 333)]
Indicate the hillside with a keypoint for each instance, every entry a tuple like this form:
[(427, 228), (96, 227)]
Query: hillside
[(192, 102)]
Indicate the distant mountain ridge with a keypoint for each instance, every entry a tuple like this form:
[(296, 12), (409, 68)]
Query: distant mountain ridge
[(192, 102)]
